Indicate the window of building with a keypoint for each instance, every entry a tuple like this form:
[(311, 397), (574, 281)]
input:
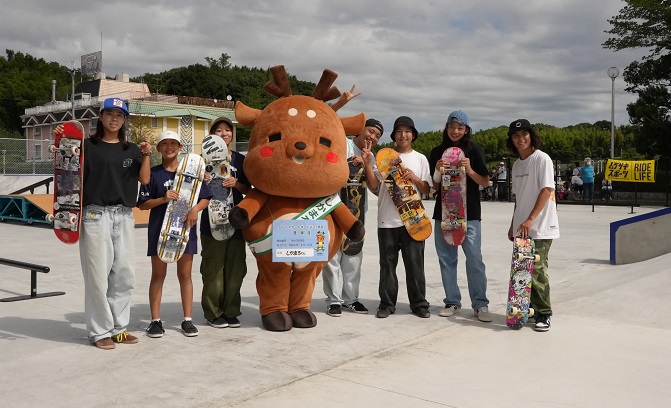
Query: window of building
[(154, 123)]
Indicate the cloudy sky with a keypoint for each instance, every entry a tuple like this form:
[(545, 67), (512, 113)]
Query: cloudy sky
[(496, 60)]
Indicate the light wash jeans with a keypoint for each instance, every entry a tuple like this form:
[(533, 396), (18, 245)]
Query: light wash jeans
[(347, 268), (107, 253), (475, 268)]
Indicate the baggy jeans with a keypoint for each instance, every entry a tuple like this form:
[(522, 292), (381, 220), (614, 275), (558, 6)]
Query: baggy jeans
[(347, 268)]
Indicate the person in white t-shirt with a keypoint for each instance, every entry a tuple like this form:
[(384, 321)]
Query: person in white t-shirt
[(392, 234), (535, 213)]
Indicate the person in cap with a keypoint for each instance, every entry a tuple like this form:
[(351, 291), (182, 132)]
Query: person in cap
[(155, 196), (112, 168), (457, 133), (341, 276), (392, 234), (587, 176), (224, 265), (535, 213)]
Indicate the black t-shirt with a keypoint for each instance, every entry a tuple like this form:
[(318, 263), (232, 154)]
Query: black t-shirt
[(111, 174), (474, 152)]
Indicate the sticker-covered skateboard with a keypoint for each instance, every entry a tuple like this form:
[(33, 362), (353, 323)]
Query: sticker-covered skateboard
[(174, 233), (519, 291), (403, 194), (453, 197), (354, 197), (68, 150), (217, 164)]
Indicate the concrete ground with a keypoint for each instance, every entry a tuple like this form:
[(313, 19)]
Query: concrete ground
[(608, 346)]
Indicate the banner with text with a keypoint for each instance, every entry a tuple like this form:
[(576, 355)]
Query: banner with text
[(641, 171)]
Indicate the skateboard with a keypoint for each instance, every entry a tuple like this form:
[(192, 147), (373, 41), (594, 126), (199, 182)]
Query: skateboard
[(174, 233), (519, 291), (217, 164), (354, 197), (403, 194), (68, 150), (453, 197)]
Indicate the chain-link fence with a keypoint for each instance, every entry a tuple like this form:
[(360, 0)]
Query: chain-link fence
[(26, 156)]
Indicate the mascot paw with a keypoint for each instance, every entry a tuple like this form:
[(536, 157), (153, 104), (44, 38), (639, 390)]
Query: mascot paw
[(303, 319), (238, 218), (357, 231), (277, 321)]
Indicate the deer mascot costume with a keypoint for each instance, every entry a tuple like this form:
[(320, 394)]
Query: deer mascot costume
[(297, 163)]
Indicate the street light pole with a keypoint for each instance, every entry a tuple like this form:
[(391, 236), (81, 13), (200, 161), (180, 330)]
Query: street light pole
[(613, 72)]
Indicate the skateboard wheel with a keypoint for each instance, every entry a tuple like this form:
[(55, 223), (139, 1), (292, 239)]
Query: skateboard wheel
[(514, 310), (531, 311), (73, 219), (443, 225), (49, 218), (207, 161), (52, 148), (462, 169), (209, 168), (537, 258), (74, 150), (520, 256), (56, 205), (442, 170)]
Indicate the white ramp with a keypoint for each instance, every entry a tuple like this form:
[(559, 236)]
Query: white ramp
[(640, 238)]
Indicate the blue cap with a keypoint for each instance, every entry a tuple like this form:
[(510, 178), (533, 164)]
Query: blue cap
[(114, 103), (459, 116)]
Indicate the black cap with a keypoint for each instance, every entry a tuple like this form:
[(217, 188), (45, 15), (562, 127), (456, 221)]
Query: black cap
[(376, 124), (519, 124), (404, 120)]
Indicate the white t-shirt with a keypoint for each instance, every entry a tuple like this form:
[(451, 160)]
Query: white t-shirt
[(529, 176), (387, 214)]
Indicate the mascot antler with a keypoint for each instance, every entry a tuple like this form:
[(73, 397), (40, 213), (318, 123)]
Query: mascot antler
[(280, 87), (324, 91)]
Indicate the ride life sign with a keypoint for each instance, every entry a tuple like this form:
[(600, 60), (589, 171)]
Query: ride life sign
[(639, 171), (300, 240)]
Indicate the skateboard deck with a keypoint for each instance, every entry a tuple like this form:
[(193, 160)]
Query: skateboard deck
[(174, 233), (68, 150), (403, 194), (354, 197), (453, 197), (519, 290), (217, 164)]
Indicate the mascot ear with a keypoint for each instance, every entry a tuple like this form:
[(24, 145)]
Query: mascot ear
[(245, 115), (353, 124)]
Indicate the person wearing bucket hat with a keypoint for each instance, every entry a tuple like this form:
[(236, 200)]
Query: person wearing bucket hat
[(342, 274), (223, 266), (112, 168), (392, 234), (457, 133), (535, 213), (155, 196)]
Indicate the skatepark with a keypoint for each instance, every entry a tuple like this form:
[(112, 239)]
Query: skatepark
[(608, 345)]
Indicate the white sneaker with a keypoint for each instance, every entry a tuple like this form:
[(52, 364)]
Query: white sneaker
[(483, 314), (448, 311)]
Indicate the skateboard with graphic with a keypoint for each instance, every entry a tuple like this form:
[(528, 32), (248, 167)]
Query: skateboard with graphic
[(218, 165), (518, 309), (68, 151), (403, 194), (453, 197), (354, 197), (174, 233)]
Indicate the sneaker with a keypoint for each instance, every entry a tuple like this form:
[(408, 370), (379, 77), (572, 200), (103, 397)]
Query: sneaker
[(218, 323), (105, 344), (155, 329), (422, 312), (232, 321), (448, 311), (356, 307), (125, 338), (189, 329), (542, 323), (334, 310), (483, 314), (383, 313)]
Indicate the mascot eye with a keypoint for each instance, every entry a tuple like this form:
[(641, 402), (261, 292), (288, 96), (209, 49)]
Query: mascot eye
[(325, 142), (274, 137)]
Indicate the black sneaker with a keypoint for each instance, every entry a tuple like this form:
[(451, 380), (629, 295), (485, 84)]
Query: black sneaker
[(422, 312), (383, 313), (232, 321), (155, 329), (542, 322), (356, 307), (218, 323), (334, 310), (189, 329)]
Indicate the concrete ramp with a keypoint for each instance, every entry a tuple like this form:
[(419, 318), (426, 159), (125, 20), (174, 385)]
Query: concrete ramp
[(640, 238), (11, 183)]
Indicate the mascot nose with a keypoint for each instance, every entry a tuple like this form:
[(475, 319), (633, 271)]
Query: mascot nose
[(300, 145)]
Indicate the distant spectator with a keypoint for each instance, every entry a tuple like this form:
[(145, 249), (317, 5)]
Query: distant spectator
[(502, 182), (606, 190), (587, 176), (576, 186), (576, 169)]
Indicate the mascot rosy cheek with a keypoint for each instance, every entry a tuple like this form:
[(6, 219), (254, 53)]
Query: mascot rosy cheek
[(297, 162)]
